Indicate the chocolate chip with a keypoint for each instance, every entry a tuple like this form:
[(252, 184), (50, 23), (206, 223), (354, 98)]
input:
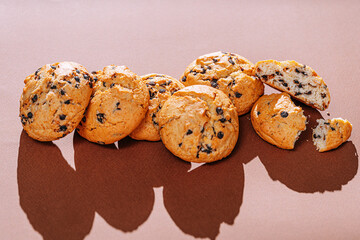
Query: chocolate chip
[(93, 72), (37, 71), (213, 84), (222, 120), (296, 81), (308, 93), (90, 84), (77, 85), (264, 77), (180, 144), (34, 98), (162, 90), (104, 84), (77, 78), (189, 132), (53, 87), (284, 114), (277, 73), (298, 93), (86, 76), (183, 79), (258, 113), (215, 60), (62, 116), (297, 70), (77, 71), (315, 136), (219, 110), (220, 135), (152, 83), (202, 130), (53, 67), (111, 85), (63, 128), (100, 117), (284, 84), (62, 92), (300, 85), (238, 95), (333, 129), (203, 71), (323, 95), (95, 79), (152, 95), (29, 115), (231, 61), (117, 106), (83, 119), (281, 80), (67, 102)]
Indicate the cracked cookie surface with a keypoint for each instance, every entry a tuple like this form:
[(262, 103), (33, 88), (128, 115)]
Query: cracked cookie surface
[(298, 80), (331, 133), (277, 120), (160, 87), (54, 100), (118, 104), (199, 124), (229, 73)]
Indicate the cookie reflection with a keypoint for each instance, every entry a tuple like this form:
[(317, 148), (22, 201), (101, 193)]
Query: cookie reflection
[(51, 194)]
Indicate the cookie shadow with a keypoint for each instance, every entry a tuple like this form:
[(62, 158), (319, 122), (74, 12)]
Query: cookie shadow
[(204, 198), (50, 192), (120, 181), (306, 170)]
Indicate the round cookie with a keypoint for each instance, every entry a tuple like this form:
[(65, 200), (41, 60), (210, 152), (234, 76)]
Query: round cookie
[(160, 87), (199, 124), (117, 106), (54, 100), (229, 73), (277, 120)]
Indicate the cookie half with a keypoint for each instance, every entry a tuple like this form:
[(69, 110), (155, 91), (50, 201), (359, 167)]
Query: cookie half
[(160, 87), (330, 134), (277, 120), (117, 106), (54, 100), (229, 73), (199, 124), (300, 81)]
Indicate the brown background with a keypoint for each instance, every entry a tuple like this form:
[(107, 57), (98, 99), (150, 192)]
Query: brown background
[(71, 189)]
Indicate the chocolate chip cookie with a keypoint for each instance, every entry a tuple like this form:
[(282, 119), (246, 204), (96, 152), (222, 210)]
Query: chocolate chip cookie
[(330, 134), (229, 73), (300, 81), (54, 100), (117, 106), (277, 120), (199, 124), (160, 87)]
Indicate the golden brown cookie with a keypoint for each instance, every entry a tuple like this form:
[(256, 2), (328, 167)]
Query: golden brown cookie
[(300, 81), (54, 100), (277, 120), (229, 73), (160, 87), (331, 133), (199, 124), (118, 105)]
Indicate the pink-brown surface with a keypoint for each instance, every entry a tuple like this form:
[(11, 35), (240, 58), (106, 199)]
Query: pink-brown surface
[(74, 189)]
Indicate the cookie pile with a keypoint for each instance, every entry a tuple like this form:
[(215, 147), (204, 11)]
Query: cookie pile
[(196, 117)]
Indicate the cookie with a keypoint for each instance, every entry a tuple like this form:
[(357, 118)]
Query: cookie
[(330, 134), (229, 73), (300, 81), (54, 100), (160, 87), (277, 120), (117, 106), (199, 124)]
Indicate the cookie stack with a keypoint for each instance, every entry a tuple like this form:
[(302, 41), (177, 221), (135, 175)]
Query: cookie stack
[(196, 117)]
